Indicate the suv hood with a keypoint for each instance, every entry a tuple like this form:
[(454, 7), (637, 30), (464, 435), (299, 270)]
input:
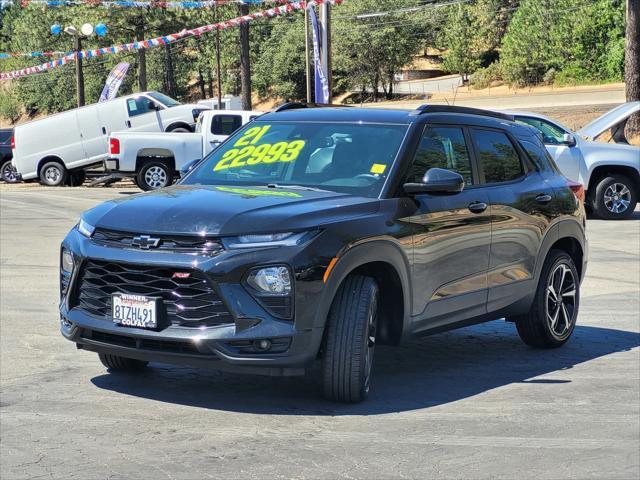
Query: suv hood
[(227, 210), (608, 120)]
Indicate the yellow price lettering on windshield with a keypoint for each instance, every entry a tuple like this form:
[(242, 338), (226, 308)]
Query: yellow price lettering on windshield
[(281, 152), (252, 136)]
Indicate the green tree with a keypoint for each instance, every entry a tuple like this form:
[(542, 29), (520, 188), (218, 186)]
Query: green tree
[(461, 55)]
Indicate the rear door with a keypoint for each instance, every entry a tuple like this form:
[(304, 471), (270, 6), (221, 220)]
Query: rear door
[(521, 211), (94, 141), (452, 234)]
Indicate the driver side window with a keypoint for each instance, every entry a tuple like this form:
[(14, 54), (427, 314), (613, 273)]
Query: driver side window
[(551, 134), (442, 147), (139, 106)]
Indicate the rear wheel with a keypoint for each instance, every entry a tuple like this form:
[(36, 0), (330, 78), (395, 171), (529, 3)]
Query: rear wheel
[(350, 341), (121, 364), (552, 317), (154, 175), (615, 198), (53, 174), (8, 173)]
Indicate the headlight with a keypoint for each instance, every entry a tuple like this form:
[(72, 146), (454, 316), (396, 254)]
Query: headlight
[(86, 229), (287, 239), (271, 280), (66, 262)]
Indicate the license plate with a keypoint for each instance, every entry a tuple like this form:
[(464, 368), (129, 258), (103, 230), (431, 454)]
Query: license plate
[(134, 310)]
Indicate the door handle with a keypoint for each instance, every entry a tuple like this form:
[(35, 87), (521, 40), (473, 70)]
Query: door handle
[(543, 198), (128, 123), (104, 130), (477, 207)]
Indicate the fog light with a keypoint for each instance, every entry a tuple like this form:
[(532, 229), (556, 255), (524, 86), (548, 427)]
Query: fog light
[(272, 280), (67, 264), (263, 344)]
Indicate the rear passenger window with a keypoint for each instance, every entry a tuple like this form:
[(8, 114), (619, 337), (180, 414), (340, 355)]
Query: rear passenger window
[(497, 157), (225, 124), (442, 147)]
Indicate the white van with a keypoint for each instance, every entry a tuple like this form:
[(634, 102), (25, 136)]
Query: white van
[(229, 102), (60, 146)]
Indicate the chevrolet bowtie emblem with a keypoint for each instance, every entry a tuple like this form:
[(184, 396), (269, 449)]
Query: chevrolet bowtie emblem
[(145, 241)]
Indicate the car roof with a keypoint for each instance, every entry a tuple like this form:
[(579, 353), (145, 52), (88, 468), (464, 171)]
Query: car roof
[(436, 114)]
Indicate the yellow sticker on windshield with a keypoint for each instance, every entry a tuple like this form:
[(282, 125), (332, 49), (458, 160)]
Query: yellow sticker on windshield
[(252, 192), (281, 152), (378, 168)]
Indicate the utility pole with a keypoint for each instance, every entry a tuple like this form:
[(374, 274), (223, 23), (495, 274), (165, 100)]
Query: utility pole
[(632, 62), (218, 70), (245, 61), (79, 73), (325, 23)]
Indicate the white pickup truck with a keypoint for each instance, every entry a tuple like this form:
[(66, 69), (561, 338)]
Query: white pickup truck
[(154, 159)]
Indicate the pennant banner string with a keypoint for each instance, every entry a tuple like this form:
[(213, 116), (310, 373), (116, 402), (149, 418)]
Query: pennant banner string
[(167, 39), (134, 4)]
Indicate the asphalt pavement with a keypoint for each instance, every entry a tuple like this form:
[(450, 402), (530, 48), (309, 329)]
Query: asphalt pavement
[(472, 403)]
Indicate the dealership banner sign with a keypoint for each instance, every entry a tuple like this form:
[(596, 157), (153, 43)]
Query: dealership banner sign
[(114, 80), (167, 39)]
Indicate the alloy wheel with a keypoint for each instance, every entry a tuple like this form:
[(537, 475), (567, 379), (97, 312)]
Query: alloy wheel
[(617, 198), (156, 177), (8, 173), (561, 301)]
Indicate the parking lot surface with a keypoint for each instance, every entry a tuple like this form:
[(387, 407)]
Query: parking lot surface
[(472, 403)]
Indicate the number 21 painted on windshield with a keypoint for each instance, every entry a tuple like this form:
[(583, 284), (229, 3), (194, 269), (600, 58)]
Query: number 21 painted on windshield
[(252, 136)]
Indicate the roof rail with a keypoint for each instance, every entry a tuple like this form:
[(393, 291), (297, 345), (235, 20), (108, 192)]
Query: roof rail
[(429, 108), (298, 105)]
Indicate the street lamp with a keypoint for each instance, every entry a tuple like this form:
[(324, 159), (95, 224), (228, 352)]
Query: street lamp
[(86, 30)]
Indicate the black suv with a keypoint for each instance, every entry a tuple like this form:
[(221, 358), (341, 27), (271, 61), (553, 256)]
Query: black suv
[(315, 233)]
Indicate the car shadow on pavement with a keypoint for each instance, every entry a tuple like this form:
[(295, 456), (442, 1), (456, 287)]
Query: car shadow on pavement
[(423, 373)]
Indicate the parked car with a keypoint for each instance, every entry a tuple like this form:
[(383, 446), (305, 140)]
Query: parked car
[(7, 172), (154, 159), (266, 257), (62, 145), (610, 172)]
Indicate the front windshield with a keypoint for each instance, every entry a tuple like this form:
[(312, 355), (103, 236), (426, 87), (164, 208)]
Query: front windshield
[(353, 158), (164, 99)]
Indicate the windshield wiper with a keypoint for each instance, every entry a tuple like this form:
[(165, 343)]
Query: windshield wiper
[(296, 187)]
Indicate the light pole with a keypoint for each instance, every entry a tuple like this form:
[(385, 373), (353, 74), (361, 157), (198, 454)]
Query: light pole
[(85, 32)]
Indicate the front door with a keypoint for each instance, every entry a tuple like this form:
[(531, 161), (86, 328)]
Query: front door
[(142, 115), (452, 234)]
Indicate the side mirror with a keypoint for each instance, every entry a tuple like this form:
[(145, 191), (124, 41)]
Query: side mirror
[(569, 140), (437, 180), (187, 167)]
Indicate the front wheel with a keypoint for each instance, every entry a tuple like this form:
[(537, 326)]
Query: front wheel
[(154, 175), (615, 198), (115, 363), (552, 317), (347, 358)]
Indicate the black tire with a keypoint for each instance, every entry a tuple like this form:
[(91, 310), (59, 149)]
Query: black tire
[(347, 357), (53, 174), (179, 130), (537, 328), (146, 180), (8, 174), (121, 364), (610, 196)]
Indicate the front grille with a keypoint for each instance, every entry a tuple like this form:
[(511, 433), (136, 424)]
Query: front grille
[(169, 346), (175, 243), (188, 302)]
